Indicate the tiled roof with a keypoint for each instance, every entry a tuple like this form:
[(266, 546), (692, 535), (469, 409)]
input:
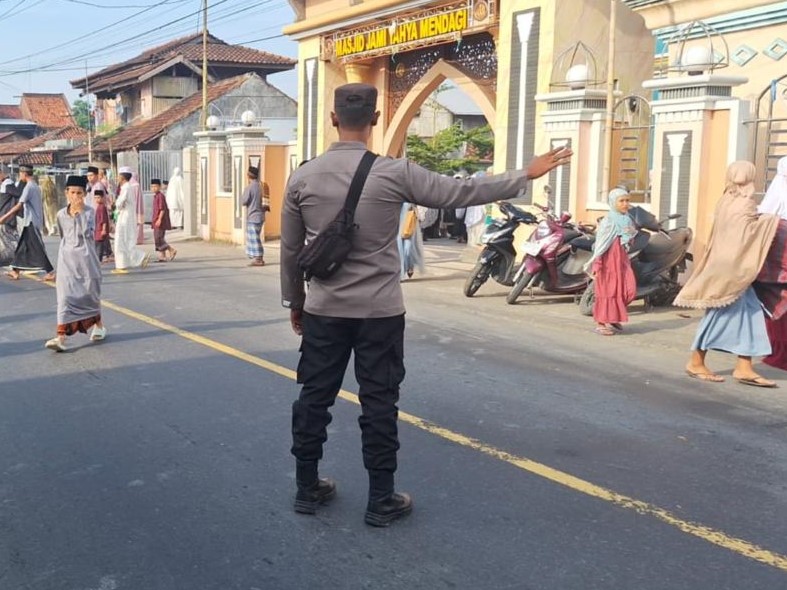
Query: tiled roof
[(21, 147), (10, 111), (189, 48), (37, 159), (145, 131), (48, 111)]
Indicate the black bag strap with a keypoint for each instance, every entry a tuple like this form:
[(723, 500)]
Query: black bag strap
[(359, 179)]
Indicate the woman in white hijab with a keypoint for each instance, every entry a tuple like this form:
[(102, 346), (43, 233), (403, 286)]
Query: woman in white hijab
[(775, 201), (175, 199)]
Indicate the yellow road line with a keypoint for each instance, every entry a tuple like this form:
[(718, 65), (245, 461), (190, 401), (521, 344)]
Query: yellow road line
[(708, 534)]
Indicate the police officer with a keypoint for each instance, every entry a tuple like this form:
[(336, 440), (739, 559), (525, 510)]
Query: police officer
[(360, 308)]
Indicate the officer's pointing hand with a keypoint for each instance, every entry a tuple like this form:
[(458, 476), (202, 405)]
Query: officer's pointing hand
[(545, 163)]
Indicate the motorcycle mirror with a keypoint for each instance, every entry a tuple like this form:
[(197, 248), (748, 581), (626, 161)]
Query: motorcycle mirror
[(674, 216)]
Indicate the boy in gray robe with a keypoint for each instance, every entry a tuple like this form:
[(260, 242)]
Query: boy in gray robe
[(79, 270)]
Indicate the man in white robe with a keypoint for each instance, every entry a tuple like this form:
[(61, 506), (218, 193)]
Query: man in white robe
[(127, 255)]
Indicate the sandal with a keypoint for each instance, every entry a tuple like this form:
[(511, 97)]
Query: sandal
[(757, 382), (709, 377), (14, 276), (604, 331)]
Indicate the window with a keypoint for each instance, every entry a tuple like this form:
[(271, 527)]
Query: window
[(225, 178)]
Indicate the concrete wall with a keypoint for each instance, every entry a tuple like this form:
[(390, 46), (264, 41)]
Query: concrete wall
[(255, 94)]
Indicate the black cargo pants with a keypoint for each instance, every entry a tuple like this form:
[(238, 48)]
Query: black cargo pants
[(378, 344)]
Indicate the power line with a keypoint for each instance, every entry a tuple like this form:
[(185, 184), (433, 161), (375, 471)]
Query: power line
[(81, 37), (226, 14)]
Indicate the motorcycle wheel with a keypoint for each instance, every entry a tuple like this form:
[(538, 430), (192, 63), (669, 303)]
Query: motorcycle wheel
[(478, 276), (588, 299), (519, 286)]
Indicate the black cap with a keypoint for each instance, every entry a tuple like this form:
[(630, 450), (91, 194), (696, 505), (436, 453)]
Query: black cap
[(355, 96), (98, 193), (80, 181), (155, 181), (92, 169), (254, 171), (26, 168), (166, 182)]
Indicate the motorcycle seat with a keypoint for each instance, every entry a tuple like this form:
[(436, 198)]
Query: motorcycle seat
[(583, 243), (660, 246), (570, 234)]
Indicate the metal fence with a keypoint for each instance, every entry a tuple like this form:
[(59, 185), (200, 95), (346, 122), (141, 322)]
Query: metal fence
[(150, 165)]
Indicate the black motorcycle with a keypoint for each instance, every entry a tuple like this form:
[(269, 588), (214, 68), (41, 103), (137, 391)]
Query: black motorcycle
[(498, 258), (657, 259)]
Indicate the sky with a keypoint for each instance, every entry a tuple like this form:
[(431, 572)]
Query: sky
[(46, 43)]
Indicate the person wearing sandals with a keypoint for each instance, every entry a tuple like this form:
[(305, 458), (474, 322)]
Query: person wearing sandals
[(721, 282), (161, 223), (610, 267), (127, 255), (78, 270)]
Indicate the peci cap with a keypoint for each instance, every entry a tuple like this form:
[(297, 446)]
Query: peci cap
[(92, 169), (254, 171), (26, 169), (355, 96), (155, 181), (125, 170), (74, 180), (98, 193)]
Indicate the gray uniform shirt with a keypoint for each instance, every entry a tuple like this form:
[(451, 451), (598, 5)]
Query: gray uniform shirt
[(367, 284), (34, 205), (252, 199)]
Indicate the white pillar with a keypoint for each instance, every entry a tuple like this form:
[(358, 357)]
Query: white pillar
[(676, 142), (524, 23)]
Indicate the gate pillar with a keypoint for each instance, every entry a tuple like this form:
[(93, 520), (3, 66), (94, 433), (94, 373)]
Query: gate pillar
[(576, 118), (210, 146), (247, 146), (698, 131)]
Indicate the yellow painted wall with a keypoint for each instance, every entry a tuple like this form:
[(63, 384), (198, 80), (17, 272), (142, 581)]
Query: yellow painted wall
[(275, 174)]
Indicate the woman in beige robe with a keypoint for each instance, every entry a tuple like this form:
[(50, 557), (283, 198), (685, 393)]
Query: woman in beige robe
[(721, 282)]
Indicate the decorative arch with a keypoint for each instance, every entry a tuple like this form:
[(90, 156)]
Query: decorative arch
[(442, 70)]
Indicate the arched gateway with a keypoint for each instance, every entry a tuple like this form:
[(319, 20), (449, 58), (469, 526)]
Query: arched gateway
[(500, 53)]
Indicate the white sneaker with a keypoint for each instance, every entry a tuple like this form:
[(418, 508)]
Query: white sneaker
[(56, 345), (98, 334)]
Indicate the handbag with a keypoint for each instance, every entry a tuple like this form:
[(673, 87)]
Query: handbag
[(409, 225), (324, 255)]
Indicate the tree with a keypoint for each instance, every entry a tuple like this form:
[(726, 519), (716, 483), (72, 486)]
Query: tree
[(81, 112), (453, 149)]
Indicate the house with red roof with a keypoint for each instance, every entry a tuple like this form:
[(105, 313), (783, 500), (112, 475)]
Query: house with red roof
[(173, 129), (143, 87), (36, 114)]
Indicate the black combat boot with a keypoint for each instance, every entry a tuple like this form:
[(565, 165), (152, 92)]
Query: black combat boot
[(385, 505), (312, 491)]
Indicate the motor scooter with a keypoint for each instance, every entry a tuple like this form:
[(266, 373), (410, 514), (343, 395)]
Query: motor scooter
[(498, 258), (658, 257), (550, 261)]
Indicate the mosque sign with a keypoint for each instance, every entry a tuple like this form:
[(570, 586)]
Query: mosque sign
[(409, 31)]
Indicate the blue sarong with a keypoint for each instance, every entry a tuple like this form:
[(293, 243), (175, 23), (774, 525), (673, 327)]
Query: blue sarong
[(738, 328), (254, 247)]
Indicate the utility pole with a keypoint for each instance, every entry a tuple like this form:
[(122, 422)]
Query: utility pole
[(89, 119), (204, 117), (610, 102)]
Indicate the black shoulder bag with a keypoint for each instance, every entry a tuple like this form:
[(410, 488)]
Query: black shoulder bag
[(323, 256)]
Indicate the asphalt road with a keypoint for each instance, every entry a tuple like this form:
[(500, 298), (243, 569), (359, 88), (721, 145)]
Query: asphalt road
[(539, 455)]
